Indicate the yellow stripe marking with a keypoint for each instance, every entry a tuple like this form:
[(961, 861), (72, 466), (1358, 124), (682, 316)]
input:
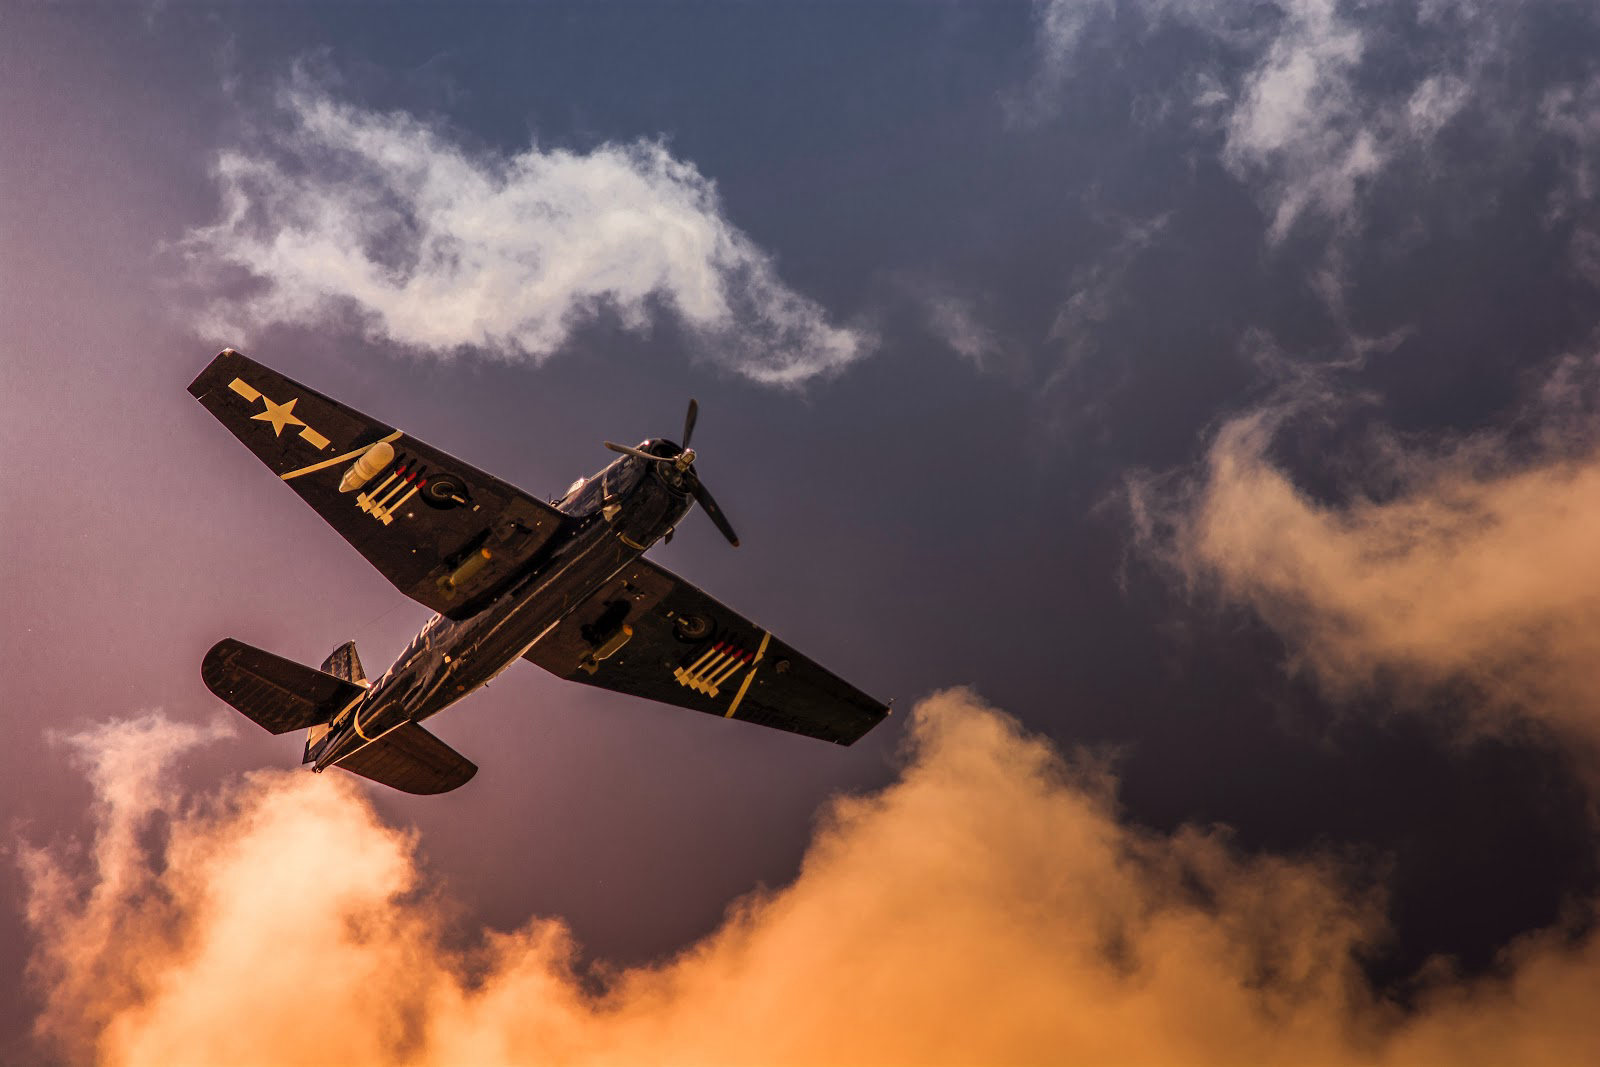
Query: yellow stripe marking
[(313, 438), (245, 389), (745, 685), (357, 725), (337, 459)]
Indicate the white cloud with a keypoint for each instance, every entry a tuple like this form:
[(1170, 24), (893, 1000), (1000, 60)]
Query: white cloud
[(1297, 126), (437, 248), (956, 320), (1297, 123), (1060, 27)]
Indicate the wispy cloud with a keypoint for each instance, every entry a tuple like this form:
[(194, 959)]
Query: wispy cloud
[(333, 210), (988, 907), (1098, 291), (1060, 29), (1303, 120), (1298, 126)]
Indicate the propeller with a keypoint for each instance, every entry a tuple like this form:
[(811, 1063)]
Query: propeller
[(684, 462)]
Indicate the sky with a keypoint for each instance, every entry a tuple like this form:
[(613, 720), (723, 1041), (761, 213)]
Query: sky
[(1188, 411)]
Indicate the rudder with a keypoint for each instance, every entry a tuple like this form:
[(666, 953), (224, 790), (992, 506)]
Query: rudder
[(343, 662)]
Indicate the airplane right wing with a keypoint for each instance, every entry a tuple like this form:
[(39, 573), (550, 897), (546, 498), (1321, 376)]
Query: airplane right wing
[(649, 633), (445, 533)]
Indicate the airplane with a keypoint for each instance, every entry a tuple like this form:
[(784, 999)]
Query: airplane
[(562, 584)]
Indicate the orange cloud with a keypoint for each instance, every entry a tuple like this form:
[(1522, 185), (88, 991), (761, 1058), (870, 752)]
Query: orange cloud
[(1476, 572), (987, 907)]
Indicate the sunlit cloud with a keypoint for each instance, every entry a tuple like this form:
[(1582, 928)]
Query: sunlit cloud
[(1472, 564), (117, 897), (990, 906), (333, 212)]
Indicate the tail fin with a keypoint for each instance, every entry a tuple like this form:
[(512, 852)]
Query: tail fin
[(278, 694), (343, 662)]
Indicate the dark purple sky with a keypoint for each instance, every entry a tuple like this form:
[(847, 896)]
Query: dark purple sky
[(946, 280)]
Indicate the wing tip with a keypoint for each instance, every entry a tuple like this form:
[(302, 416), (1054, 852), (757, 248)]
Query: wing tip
[(203, 381)]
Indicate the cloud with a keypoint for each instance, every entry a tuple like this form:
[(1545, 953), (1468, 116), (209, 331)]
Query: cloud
[(337, 210), (1099, 291), (1298, 126), (1568, 115), (956, 320), (1290, 87), (987, 907), (118, 899), (1060, 27), (1473, 564)]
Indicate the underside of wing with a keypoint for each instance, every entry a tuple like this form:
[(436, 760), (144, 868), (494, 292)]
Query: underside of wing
[(412, 760), (445, 533), (649, 633)]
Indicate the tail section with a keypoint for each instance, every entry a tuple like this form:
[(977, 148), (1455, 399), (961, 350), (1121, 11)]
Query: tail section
[(412, 760), (281, 695), (342, 662), (277, 694)]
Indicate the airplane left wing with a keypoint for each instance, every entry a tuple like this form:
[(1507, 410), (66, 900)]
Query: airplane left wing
[(445, 533), (649, 633)]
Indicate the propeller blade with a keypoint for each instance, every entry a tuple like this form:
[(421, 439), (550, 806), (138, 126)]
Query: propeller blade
[(688, 423), (708, 504), (626, 451)]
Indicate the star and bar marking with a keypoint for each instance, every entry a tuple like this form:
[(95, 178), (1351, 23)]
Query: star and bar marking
[(278, 416)]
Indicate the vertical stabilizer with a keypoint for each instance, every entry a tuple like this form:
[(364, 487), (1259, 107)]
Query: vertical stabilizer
[(343, 662)]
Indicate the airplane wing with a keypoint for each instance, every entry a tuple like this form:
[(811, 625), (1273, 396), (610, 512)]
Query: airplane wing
[(445, 533), (649, 633)]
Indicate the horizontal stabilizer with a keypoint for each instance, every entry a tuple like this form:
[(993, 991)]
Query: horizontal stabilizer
[(279, 694), (412, 760)]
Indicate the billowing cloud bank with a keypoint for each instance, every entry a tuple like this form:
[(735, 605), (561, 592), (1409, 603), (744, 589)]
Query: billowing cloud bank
[(988, 907), (339, 210)]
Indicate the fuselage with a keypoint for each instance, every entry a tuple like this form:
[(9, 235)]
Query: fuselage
[(613, 517)]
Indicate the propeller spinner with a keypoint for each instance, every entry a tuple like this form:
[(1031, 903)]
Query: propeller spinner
[(684, 462)]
